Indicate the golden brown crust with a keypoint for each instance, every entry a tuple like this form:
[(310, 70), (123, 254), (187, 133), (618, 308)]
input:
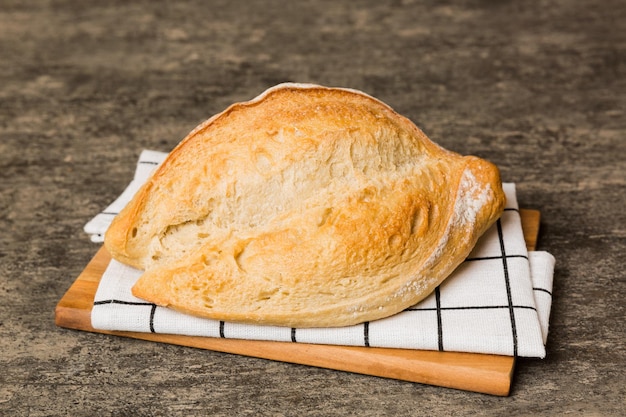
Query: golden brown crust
[(305, 207)]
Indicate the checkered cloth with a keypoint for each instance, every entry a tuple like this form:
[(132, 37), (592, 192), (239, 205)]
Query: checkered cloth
[(496, 302)]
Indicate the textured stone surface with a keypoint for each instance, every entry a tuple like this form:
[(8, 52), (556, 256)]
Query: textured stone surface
[(538, 87)]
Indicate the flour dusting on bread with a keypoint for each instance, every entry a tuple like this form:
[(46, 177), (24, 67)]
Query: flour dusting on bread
[(473, 195)]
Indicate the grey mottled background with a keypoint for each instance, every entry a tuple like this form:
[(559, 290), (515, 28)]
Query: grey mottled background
[(537, 87)]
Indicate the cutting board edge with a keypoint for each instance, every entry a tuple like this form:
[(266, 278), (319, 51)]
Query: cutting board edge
[(487, 374)]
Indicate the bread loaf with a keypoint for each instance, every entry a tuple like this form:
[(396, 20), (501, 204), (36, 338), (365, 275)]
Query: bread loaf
[(307, 206)]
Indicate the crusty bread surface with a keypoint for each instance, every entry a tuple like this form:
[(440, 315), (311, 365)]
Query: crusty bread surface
[(307, 206)]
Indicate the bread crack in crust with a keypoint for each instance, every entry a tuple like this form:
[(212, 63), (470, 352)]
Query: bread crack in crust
[(307, 206)]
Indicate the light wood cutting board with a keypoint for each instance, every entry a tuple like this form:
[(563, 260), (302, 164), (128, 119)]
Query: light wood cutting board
[(489, 374)]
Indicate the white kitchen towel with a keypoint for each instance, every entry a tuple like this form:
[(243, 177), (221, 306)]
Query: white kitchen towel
[(497, 302)]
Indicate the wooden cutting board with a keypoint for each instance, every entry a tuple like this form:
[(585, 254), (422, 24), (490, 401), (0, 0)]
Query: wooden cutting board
[(489, 374)]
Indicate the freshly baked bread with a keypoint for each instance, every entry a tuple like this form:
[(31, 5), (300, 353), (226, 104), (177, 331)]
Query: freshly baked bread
[(305, 207)]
